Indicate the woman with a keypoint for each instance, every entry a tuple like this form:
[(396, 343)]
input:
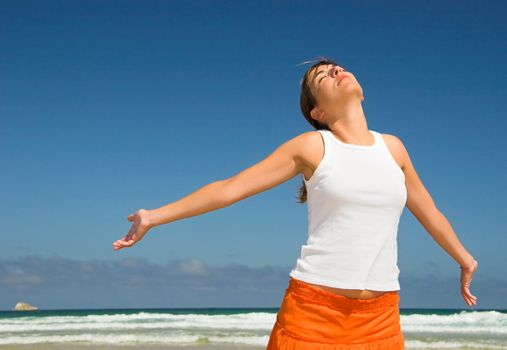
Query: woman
[(343, 290)]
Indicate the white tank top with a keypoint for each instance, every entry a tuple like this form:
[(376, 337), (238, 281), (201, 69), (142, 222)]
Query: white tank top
[(355, 198)]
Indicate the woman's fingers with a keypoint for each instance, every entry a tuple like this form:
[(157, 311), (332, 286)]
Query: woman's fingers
[(466, 279), (468, 293), (126, 241), (136, 232), (469, 298), (123, 243)]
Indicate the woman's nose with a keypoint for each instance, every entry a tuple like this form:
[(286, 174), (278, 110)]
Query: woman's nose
[(336, 71)]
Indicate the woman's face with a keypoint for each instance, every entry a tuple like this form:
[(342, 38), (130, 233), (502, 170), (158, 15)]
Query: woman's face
[(333, 87)]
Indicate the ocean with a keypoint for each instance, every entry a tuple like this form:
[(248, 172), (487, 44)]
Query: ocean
[(217, 328)]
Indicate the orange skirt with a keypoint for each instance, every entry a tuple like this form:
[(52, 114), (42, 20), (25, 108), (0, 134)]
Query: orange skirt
[(314, 319)]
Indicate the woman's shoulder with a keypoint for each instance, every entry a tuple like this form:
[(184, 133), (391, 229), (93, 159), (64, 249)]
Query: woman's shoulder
[(309, 147), (396, 147), (392, 141), (390, 137), (304, 143), (310, 139)]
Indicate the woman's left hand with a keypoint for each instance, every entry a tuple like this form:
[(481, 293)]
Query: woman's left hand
[(466, 278)]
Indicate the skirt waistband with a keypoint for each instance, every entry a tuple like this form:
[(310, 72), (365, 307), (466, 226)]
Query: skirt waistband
[(383, 301)]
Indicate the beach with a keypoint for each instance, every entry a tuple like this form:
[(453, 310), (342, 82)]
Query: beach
[(226, 329), (137, 347)]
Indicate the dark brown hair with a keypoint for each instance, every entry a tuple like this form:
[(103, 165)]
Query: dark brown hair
[(307, 102)]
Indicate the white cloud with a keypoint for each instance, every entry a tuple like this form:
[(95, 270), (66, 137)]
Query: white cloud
[(193, 267), (61, 283)]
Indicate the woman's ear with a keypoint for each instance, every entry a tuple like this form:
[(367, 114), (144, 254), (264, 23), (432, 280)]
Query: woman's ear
[(317, 114)]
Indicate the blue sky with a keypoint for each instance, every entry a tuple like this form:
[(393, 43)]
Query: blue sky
[(110, 106)]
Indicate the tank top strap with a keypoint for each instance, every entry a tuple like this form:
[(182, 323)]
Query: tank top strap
[(323, 132), (387, 153), (325, 137), (379, 141)]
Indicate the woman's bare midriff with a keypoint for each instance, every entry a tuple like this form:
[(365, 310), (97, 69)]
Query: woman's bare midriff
[(351, 293)]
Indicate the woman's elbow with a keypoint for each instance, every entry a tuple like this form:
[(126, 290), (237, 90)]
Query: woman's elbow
[(237, 188), (230, 192)]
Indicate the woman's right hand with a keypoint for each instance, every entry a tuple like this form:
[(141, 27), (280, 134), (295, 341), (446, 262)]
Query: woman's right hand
[(140, 225), (466, 278)]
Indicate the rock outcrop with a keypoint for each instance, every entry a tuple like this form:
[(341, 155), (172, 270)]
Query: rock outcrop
[(24, 307)]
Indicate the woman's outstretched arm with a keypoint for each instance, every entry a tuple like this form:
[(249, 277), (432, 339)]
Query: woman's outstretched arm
[(281, 165), (422, 206)]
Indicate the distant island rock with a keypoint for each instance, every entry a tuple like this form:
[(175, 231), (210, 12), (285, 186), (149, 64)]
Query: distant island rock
[(24, 307)]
